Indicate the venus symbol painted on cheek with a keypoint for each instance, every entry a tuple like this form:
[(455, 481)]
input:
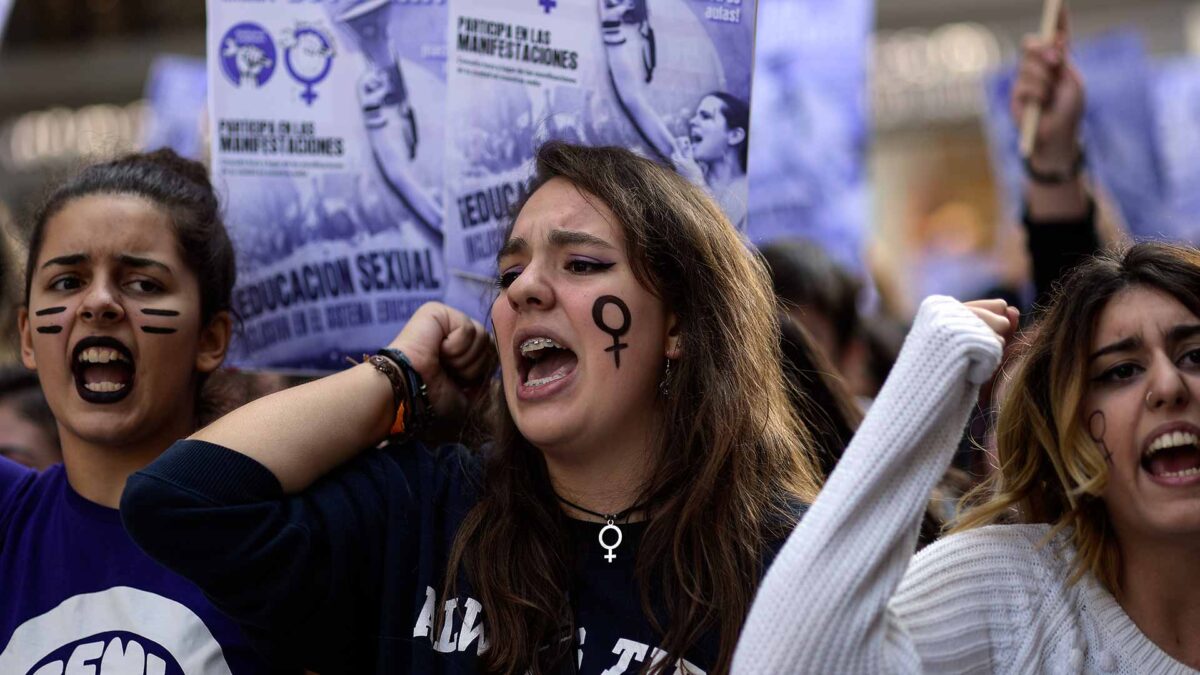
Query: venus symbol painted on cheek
[(159, 330), (50, 311), (1097, 425), (616, 332)]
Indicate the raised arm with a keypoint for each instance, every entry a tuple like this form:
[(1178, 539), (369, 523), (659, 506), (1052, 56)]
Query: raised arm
[(624, 48), (302, 433), (387, 132), (300, 564), (1060, 212), (1046, 76), (823, 605)]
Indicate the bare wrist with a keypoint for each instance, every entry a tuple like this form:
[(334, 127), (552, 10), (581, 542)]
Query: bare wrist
[(1056, 157)]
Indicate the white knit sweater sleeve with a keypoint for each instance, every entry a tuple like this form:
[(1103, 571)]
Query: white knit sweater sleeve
[(823, 605)]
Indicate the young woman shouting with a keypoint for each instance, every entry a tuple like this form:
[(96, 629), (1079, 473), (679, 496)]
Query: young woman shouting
[(645, 462), (1083, 556)]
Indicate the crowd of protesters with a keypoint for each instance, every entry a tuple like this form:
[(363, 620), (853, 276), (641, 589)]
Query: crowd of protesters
[(736, 480)]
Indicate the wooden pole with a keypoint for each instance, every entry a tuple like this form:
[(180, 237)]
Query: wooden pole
[(1032, 113)]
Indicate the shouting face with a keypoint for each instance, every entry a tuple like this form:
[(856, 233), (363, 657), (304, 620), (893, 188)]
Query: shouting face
[(709, 131), (113, 325), (1142, 411), (582, 343)]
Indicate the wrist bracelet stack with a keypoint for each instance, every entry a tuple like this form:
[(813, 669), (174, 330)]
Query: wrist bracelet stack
[(409, 393)]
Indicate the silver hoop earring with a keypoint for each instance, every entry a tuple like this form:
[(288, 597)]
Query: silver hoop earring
[(664, 385)]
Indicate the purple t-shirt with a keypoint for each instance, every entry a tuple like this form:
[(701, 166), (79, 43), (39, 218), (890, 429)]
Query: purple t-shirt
[(77, 595)]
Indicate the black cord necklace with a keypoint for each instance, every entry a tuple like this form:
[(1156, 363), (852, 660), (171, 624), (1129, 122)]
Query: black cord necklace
[(611, 520)]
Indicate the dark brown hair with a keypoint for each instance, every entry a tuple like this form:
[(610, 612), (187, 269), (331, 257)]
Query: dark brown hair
[(818, 394), (734, 462), (805, 276), (1050, 470)]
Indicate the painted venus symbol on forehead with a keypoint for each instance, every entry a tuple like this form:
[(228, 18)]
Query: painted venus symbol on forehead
[(616, 332)]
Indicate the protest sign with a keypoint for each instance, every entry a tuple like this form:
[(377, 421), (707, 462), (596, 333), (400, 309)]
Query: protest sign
[(1118, 130), (1176, 100), (5, 8), (177, 98), (327, 128), (669, 79), (810, 125)]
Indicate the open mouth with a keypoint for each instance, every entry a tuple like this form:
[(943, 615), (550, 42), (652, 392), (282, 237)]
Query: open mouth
[(103, 368), (544, 361), (1174, 454)]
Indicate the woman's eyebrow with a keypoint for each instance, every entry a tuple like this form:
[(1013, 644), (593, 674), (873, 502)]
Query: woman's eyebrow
[(1182, 332), (67, 260), (1128, 344), (511, 247), (140, 262), (561, 238)]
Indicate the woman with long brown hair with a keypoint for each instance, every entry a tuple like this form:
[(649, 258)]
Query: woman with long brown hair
[(645, 463), (1081, 551)]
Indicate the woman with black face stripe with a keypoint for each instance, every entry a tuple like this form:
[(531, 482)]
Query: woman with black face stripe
[(126, 314)]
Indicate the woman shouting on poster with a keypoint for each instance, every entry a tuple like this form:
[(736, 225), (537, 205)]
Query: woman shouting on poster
[(714, 153)]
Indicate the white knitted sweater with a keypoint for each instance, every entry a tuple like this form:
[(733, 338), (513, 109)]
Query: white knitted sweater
[(842, 596)]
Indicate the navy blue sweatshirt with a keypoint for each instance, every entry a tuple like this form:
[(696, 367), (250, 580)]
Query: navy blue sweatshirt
[(347, 576)]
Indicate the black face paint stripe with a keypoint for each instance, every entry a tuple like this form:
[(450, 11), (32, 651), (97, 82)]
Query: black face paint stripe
[(50, 330), (160, 312), (50, 310), (616, 333), (156, 330)]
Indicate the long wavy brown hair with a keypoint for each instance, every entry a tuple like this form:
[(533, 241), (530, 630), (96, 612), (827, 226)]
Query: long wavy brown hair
[(1050, 470), (733, 461)]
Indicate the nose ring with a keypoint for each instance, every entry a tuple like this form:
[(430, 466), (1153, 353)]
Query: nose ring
[(1149, 395)]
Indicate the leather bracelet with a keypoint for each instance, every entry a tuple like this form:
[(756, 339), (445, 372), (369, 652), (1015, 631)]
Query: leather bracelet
[(399, 389), (1056, 177), (419, 411)]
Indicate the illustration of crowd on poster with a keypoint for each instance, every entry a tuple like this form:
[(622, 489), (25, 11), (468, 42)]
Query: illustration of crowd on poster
[(327, 134), (346, 223)]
